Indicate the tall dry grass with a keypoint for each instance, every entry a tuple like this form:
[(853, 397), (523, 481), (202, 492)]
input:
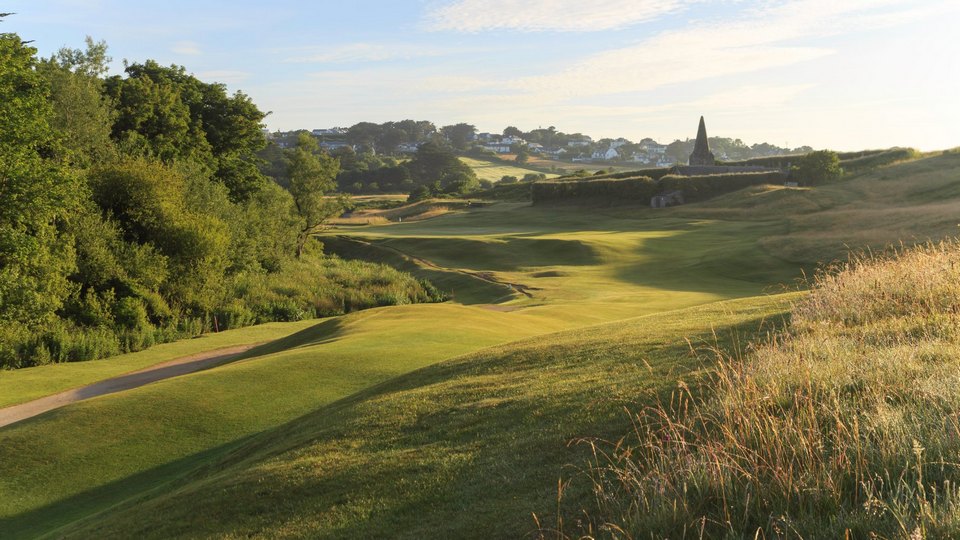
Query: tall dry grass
[(845, 425)]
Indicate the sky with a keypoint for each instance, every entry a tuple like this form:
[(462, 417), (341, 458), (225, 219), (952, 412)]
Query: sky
[(840, 74)]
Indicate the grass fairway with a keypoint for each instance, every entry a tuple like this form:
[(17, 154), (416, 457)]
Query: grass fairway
[(466, 448), (595, 264), (403, 420), (85, 457), (494, 171), (18, 386)]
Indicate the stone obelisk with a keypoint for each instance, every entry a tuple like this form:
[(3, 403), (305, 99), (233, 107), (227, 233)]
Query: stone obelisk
[(701, 156)]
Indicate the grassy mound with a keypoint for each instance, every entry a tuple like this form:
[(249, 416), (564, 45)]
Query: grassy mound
[(468, 448), (845, 425)]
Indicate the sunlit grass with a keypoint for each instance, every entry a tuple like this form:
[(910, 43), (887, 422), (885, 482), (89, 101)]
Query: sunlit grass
[(846, 425)]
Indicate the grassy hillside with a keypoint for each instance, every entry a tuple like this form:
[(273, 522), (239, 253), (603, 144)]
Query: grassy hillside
[(494, 171), (843, 426), (466, 448), (18, 386), (353, 426)]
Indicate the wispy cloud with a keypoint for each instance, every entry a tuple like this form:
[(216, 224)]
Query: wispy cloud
[(548, 15), (758, 40), (186, 48), (364, 52)]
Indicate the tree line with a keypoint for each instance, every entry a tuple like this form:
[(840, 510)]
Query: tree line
[(133, 209)]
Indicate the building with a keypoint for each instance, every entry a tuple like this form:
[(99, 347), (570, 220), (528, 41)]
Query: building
[(608, 154)]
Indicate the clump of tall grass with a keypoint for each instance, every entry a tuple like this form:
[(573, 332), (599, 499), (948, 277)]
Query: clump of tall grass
[(846, 424)]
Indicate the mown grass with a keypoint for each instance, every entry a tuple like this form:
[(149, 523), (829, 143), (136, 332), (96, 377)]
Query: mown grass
[(469, 448), (846, 425), (494, 171), (83, 458), (21, 385), (598, 264)]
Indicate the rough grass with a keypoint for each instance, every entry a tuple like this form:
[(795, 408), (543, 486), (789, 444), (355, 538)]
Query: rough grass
[(844, 426)]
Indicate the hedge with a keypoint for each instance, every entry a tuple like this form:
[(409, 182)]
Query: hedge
[(629, 189), (694, 188), (699, 188), (877, 159), (656, 174), (777, 162)]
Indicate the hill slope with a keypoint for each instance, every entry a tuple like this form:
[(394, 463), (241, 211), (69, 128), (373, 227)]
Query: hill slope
[(466, 448), (369, 458)]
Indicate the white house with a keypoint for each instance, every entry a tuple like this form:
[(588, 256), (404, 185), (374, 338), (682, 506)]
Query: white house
[(510, 139), (609, 153)]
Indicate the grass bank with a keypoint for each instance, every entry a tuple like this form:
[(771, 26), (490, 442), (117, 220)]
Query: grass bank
[(845, 425)]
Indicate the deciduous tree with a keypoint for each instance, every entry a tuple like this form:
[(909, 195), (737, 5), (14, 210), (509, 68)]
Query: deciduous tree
[(312, 176)]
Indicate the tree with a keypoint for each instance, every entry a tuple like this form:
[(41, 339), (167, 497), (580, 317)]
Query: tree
[(511, 131), (36, 195), (81, 113), (459, 135), (312, 175), (522, 156), (364, 135), (433, 163), (818, 167), (166, 113)]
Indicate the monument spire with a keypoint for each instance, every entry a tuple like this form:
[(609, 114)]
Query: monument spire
[(701, 155)]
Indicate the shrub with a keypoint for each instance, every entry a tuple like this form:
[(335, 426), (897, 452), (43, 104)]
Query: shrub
[(817, 168)]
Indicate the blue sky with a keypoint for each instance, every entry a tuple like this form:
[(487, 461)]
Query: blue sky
[(843, 74)]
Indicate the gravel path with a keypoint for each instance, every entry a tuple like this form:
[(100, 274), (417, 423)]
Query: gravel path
[(158, 372)]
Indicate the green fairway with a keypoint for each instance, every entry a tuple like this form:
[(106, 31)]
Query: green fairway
[(596, 264), (494, 171), (353, 425), (480, 441), (18, 386)]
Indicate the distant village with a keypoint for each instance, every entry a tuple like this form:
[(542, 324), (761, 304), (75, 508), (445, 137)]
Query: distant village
[(392, 139)]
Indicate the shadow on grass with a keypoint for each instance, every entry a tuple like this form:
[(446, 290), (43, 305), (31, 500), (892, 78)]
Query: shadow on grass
[(486, 453)]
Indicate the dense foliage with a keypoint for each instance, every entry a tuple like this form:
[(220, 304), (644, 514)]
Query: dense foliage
[(134, 212), (817, 168)]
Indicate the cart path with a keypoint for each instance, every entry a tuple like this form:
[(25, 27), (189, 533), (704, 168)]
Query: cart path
[(134, 379)]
